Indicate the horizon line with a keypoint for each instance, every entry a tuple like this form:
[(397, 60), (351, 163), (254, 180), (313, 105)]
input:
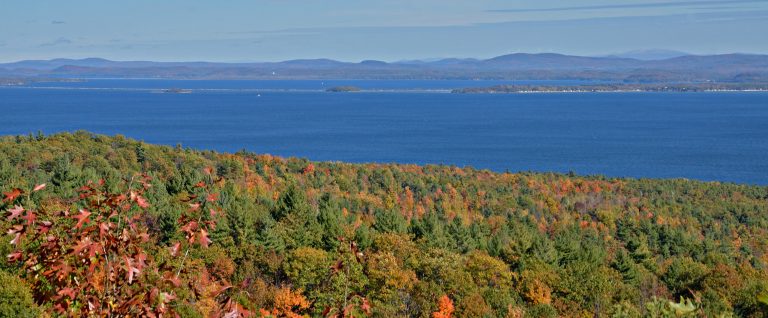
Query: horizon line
[(610, 55)]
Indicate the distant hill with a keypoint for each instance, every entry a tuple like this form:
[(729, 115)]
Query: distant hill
[(629, 67), (552, 61), (650, 55), (743, 62)]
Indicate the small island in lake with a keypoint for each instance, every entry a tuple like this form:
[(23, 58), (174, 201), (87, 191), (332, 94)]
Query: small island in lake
[(177, 91), (343, 89), (12, 82)]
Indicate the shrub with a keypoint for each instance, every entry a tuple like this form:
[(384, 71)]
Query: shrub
[(15, 298)]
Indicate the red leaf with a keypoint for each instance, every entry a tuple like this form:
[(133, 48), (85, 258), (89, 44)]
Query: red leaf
[(15, 240), (212, 197), (67, 292), (12, 195), (61, 270), (139, 200), (15, 211), (94, 249), (204, 240), (81, 218), (130, 270), (208, 170), (141, 260), (173, 279), (142, 202), (153, 294), (30, 217), (16, 229), (15, 256), (59, 308), (189, 227), (366, 307), (103, 229), (45, 226), (81, 245), (175, 249), (38, 187)]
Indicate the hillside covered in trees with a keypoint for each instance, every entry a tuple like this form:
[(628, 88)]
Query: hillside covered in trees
[(109, 226)]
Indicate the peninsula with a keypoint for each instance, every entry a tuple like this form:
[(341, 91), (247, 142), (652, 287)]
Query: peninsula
[(620, 87)]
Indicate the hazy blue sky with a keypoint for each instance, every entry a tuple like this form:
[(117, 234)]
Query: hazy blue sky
[(352, 30)]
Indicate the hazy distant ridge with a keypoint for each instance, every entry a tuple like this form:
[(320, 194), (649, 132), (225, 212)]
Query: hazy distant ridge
[(725, 67)]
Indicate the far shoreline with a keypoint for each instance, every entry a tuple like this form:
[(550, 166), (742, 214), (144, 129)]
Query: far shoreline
[(712, 87), (443, 86), (373, 91)]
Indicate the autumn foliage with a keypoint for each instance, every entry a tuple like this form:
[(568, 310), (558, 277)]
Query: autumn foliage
[(87, 258), (444, 308), (89, 255), (107, 226), (288, 304)]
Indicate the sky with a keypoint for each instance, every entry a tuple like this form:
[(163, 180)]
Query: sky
[(388, 30)]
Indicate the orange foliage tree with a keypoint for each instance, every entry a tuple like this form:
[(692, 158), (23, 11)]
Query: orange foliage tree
[(288, 304), (444, 308)]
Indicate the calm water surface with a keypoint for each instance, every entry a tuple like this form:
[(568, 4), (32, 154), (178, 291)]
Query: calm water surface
[(706, 136)]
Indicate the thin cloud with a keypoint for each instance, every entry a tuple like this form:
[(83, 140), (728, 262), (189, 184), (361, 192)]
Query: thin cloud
[(760, 15), (58, 22), (699, 17), (106, 46), (283, 32), (627, 6), (59, 41)]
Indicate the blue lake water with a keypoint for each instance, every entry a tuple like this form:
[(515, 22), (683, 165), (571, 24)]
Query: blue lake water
[(294, 85), (705, 136)]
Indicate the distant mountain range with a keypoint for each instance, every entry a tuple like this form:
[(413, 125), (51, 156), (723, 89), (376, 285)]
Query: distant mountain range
[(645, 66), (650, 55)]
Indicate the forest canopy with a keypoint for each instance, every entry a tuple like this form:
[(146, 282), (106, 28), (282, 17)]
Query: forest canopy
[(169, 231)]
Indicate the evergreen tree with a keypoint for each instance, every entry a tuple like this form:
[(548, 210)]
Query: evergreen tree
[(390, 221), (624, 264)]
